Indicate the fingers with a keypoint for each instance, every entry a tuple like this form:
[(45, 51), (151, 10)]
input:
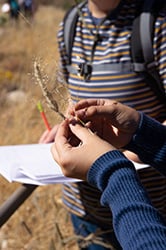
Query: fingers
[(48, 136), (71, 159), (76, 161), (86, 103), (93, 102), (43, 137), (61, 144), (83, 133), (121, 116), (94, 111), (64, 137)]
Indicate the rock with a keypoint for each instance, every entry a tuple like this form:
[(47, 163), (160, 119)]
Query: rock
[(16, 96)]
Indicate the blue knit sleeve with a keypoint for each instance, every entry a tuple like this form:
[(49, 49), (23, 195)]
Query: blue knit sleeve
[(149, 142), (137, 224)]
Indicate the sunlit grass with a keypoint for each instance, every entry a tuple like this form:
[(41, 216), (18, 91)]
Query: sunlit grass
[(34, 225)]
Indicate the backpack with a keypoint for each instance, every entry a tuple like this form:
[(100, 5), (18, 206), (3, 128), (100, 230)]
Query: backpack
[(141, 42)]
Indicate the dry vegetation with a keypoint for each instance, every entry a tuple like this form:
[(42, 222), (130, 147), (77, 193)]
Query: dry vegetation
[(41, 222)]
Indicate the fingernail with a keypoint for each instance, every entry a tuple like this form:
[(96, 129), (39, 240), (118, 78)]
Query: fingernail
[(73, 122)]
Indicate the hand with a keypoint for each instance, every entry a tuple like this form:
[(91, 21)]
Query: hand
[(164, 123), (48, 136), (131, 156), (75, 161), (117, 121)]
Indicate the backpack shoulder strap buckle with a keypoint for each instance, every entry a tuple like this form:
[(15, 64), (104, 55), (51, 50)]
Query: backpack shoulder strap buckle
[(85, 70)]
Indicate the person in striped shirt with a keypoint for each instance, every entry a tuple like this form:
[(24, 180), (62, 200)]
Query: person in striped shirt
[(102, 37)]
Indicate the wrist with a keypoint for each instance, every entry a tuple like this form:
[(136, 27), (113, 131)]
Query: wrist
[(101, 170)]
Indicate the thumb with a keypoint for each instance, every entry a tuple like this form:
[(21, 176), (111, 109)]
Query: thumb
[(82, 133)]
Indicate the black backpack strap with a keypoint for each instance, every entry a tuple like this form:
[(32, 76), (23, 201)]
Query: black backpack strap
[(70, 21), (142, 48)]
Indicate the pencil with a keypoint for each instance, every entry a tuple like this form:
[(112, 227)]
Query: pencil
[(44, 118)]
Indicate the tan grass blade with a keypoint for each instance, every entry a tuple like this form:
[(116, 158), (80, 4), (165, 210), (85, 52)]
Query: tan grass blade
[(46, 93)]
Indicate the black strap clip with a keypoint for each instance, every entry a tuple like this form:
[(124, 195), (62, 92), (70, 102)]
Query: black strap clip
[(85, 70)]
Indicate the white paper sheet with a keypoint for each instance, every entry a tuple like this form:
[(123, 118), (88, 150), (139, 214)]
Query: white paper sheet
[(33, 164)]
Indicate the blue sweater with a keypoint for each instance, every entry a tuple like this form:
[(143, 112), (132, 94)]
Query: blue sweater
[(137, 224)]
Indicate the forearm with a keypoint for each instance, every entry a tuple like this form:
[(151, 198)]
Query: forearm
[(149, 143), (134, 219)]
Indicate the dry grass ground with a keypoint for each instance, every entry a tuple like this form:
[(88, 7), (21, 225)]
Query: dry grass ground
[(41, 223)]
